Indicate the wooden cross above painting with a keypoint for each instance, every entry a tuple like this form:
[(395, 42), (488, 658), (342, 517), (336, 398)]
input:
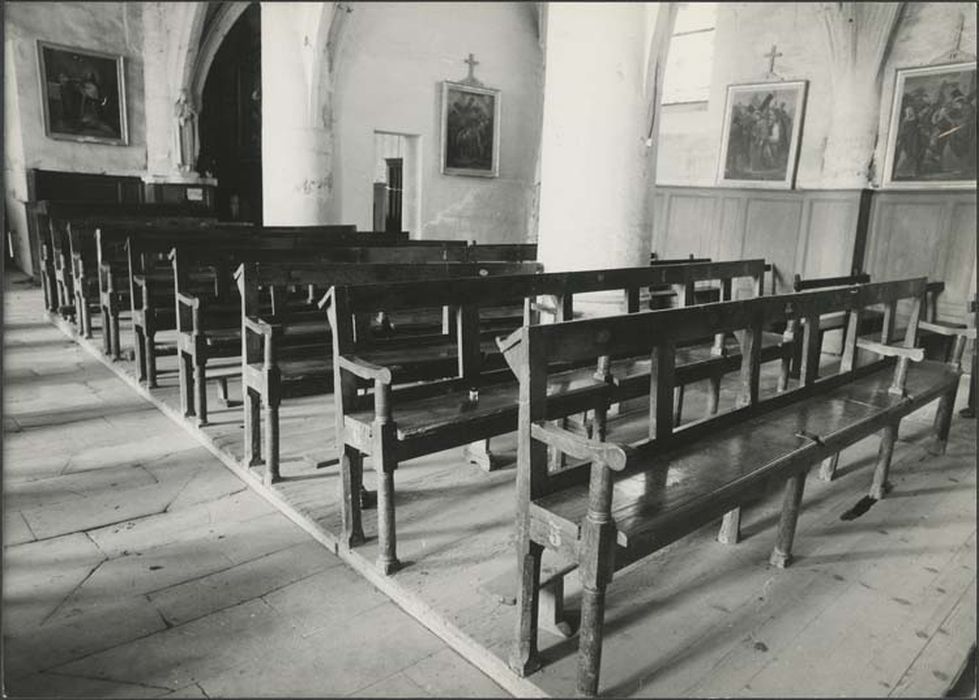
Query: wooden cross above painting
[(470, 130), (932, 136)]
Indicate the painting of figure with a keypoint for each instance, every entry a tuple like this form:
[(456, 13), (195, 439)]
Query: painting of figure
[(760, 140), (82, 94), (470, 130), (932, 139)]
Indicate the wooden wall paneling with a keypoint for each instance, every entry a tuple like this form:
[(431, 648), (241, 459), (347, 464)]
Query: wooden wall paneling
[(959, 266), (731, 228), (925, 233), (690, 218), (828, 235), (772, 232)]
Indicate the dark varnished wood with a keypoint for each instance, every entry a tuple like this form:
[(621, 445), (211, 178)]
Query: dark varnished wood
[(680, 479)]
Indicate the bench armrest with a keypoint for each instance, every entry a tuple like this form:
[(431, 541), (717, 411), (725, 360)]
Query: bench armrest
[(188, 313), (258, 340), (913, 354), (364, 369), (943, 329), (140, 292), (612, 455), (258, 326)]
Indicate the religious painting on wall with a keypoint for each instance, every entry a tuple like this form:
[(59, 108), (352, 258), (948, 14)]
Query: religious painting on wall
[(470, 130), (932, 136), (762, 126), (83, 94)]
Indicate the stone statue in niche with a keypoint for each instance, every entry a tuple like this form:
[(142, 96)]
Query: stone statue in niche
[(185, 133)]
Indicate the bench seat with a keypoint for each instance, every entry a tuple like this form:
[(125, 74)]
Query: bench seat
[(689, 489)]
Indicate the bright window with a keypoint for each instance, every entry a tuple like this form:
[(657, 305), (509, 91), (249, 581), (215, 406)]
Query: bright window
[(691, 56)]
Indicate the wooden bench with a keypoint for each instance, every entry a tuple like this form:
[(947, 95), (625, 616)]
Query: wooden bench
[(873, 321), (151, 272), (209, 329), (476, 400), (287, 353), (643, 492), (84, 256), (112, 259), (61, 224)]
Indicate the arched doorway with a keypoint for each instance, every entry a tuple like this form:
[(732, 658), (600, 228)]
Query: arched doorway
[(230, 125)]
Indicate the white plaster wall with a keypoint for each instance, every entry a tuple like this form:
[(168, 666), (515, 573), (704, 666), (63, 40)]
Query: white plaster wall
[(593, 150), (391, 62), (14, 175), (297, 147), (690, 142), (109, 27)]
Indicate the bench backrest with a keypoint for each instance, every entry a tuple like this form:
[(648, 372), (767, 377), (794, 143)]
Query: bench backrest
[(560, 285), (252, 276), (531, 350), (501, 252), (466, 300)]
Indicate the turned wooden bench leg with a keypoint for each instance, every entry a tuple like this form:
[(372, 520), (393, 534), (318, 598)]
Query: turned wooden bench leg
[(524, 658), (550, 614), (827, 470), (224, 398), (106, 335), (88, 320), (730, 531), (253, 426), (479, 453), (115, 336), (385, 462), (200, 390), (943, 422), (791, 502), (149, 341), (271, 411), (351, 484), (714, 394), (185, 366), (880, 486), (678, 395), (140, 343)]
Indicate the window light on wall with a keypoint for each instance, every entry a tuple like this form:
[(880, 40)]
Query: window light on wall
[(691, 56)]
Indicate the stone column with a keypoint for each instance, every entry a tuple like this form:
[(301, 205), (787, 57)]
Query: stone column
[(297, 137), (600, 94), (858, 37)]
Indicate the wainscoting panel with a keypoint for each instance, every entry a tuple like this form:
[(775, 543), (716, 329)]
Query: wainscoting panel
[(926, 233), (822, 233), (811, 232)]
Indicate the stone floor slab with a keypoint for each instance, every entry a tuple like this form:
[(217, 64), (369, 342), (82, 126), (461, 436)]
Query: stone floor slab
[(251, 579)]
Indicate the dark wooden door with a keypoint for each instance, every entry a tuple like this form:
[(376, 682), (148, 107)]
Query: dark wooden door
[(231, 121)]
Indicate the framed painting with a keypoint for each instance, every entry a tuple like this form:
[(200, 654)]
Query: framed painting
[(470, 130), (932, 137), (83, 94), (761, 131)]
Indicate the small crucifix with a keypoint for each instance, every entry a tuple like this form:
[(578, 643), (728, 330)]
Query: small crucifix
[(472, 63), (771, 56)]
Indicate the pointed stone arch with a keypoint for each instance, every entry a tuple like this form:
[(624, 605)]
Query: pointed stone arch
[(200, 48)]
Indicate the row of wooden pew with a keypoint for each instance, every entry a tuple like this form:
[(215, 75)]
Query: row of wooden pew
[(426, 345)]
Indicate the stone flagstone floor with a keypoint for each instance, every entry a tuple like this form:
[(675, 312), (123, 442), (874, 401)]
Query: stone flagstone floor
[(136, 565)]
